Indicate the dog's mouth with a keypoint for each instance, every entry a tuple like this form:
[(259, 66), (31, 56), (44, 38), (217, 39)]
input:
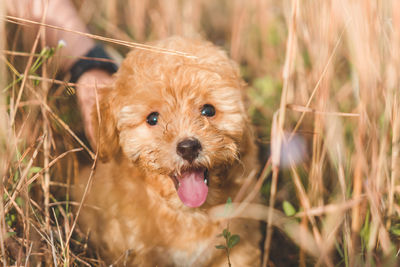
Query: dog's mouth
[(192, 186)]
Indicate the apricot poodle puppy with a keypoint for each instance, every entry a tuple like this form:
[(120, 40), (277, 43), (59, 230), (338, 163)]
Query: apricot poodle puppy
[(174, 140)]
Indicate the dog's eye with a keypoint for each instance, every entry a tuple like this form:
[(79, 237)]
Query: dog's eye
[(152, 119), (208, 110)]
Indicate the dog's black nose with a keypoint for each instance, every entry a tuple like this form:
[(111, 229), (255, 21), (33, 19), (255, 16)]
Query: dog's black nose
[(189, 149)]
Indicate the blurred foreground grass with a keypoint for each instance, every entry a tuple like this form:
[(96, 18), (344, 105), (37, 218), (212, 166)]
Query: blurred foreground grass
[(331, 68)]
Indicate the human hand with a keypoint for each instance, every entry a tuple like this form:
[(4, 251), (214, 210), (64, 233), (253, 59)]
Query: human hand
[(61, 13), (87, 85)]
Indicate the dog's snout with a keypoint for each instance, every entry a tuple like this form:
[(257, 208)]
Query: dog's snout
[(189, 149)]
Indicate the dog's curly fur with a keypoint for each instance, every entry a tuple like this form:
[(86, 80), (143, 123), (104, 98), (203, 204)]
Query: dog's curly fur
[(139, 212)]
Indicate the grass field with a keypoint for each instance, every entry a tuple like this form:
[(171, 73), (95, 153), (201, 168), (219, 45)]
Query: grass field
[(324, 72)]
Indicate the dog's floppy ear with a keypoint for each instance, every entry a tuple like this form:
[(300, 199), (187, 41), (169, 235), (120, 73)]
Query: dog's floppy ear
[(105, 126)]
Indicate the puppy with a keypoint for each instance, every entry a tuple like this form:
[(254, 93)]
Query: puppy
[(174, 140)]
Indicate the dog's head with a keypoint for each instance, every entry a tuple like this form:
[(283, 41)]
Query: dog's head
[(180, 116)]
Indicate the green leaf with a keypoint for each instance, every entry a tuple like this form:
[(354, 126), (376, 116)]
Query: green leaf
[(49, 53), (226, 233), (16, 176), (19, 201), (17, 154), (228, 207), (365, 230), (339, 250), (36, 82), (288, 208), (35, 169), (11, 234), (395, 229), (220, 247), (233, 241)]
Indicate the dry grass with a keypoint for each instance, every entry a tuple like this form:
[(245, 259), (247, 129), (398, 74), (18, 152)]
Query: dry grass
[(327, 70)]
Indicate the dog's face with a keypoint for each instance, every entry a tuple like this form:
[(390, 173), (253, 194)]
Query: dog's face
[(177, 116)]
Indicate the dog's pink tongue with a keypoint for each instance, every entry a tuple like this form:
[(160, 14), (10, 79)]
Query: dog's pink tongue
[(192, 189)]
